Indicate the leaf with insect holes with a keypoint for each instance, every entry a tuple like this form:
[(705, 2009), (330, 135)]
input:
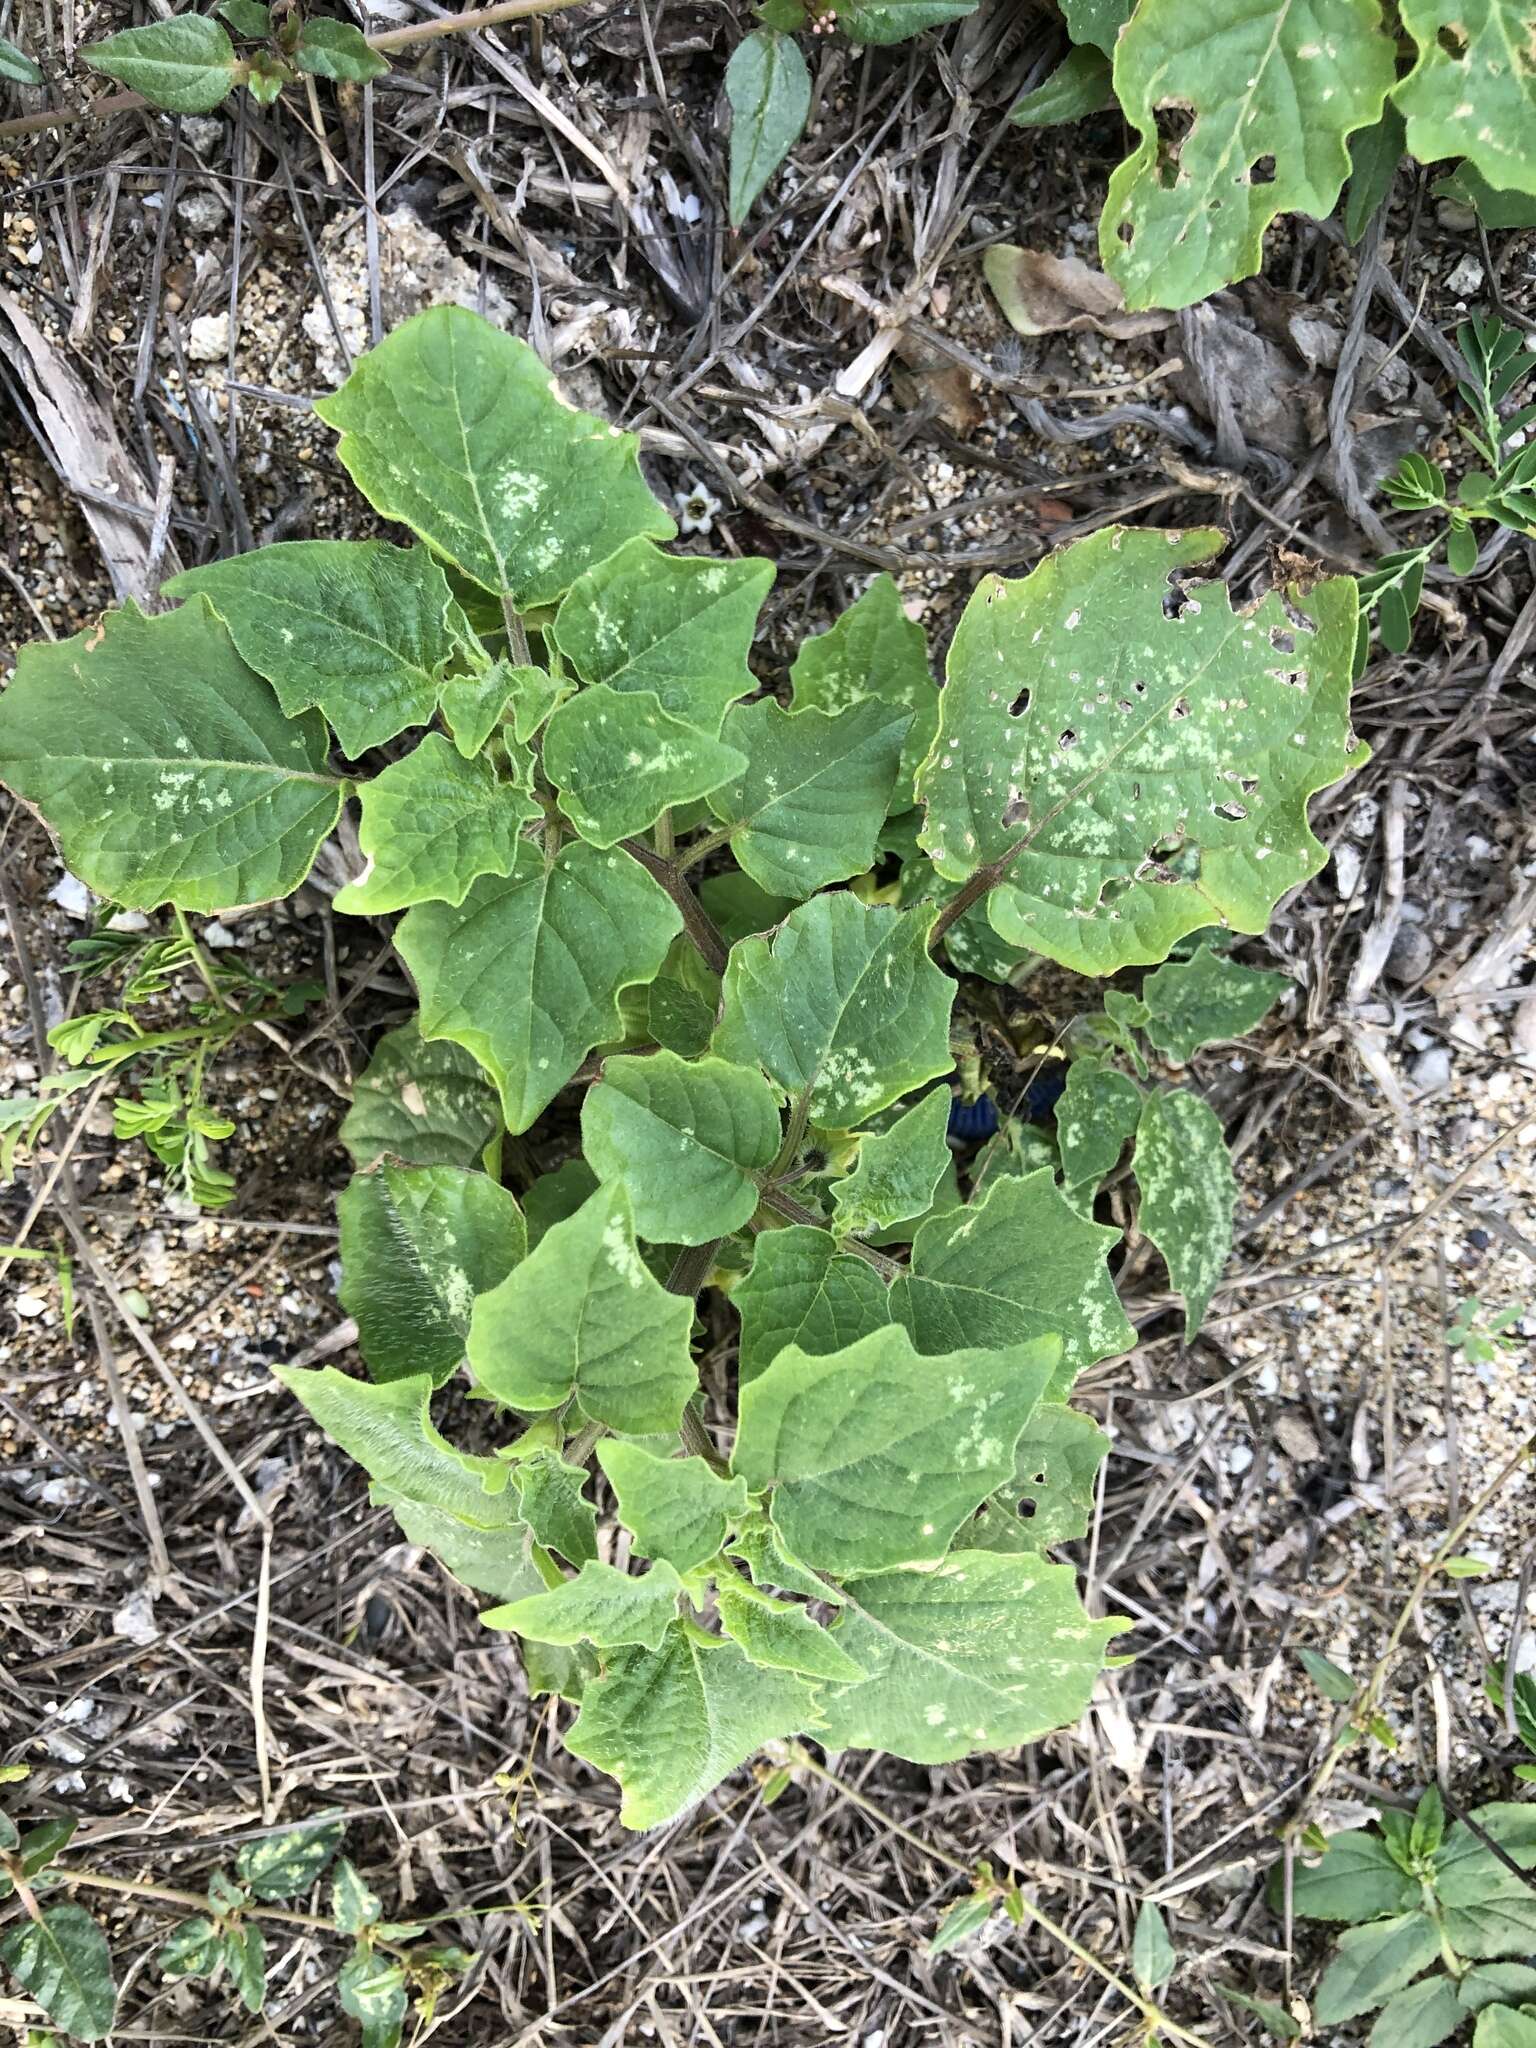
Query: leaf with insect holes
[(429, 1105), (1355, 1879), (17, 67), (1096, 1117), (1288, 82), (1018, 1264), (1156, 772), (981, 1651), (769, 90), (283, 1865), (802, 1290), (357, 629), (676, 626), (845, 1004), (1472, 92), (1372, 1962), (676, 1509), (1188, 1195), (779, 1635), (1055, 1466), (582, 1316), (1081, 84), (873, 650), (389, 1430), (876, 1455), (418, 1244), (898, 1170), (669, 1724), (893, 21), (600, 1605), (527, 971), (689, 1139), (1205, 999), (63, 1961), (164, 766), (185, 65), (618, 761), (432, 824), (809, 808), (1152, 1956), (456, 430), (335, 49)]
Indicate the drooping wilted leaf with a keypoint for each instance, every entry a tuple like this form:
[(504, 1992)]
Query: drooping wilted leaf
[(769, 90), (1157, 768), (873, 650), (600, 1605), (63, 1961), (418, 1244), (583, 1316), (429, 1105), (526, 972), (802, 1290), (1290, 83), (898, 1170), (433, 823), (357, 629), (455, 429), (165, 766), (676, 1509), (1188, 1194), (1206, 998), (618, 761), (1472, 92), (185, 65)]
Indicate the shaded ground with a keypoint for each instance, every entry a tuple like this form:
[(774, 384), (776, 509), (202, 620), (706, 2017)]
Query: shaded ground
[(204, 1625)]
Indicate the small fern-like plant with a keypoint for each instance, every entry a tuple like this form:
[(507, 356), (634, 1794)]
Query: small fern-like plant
[(723, 933)]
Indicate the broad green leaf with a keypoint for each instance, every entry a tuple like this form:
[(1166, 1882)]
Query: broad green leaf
[(600, 1605), (1096, 1117), (1374, 155), (353, 1905), (494, 1562), (757, 1546), (1498, 1984), (526, 972), (1472, 92), (1056, 1464), (185, 65), (682, 1002), (1019, 1264), (1489, 1909), (846, 1003), (194, 1949), (979, 1652), (1510, 1822), (898, 1172), (358, 629), (688, 1139), (374, 1992), (37, 1848), (971, 944), (554, 1505), (893, 21), (1205, 999), (803, 1291), (1156, 773), (554, 1196), (455, 429), (1188, 1195), (432, 823), (245, 1958), (670, 1724), (165, 767), (1354, 1879), (961, 1920), (1080, 85), (676, 1509), (1152, 1954), (1290, 82), (283, 1865), (388, 1429), (618, 761), (1370, 1963), (335, 49), (418, 1243), (64, 1963), (17, 66), (1420, 2016), (769, 90), (474, 704), (535, 697), (780, 1635), (431, 1105), (739, 907), (1499, 2026), (873, 650), (1466, 186), (676, 626), (809, 809), (1331, 1680), (876, 1454), (583, 1316), (1096, 21), (1522, 1699)]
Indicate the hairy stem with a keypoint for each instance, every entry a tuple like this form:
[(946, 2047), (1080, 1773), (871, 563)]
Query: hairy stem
[(794, 1135), (697, 922)]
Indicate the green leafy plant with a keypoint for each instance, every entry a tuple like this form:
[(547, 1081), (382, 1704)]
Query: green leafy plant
[(1482, 1334), (1519, 1691), (61, 1957), (1433, 1915), (1243, 115), (190, 64), (1503, 491), (16, 67), (624, 907)]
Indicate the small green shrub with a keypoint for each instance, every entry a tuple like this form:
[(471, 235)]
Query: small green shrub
[(1116, 774)]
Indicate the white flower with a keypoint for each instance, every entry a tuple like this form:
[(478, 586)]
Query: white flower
[(696, 509)]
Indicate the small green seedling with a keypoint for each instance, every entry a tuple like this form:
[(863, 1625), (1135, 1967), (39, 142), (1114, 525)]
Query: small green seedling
[(1483, 1335)]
